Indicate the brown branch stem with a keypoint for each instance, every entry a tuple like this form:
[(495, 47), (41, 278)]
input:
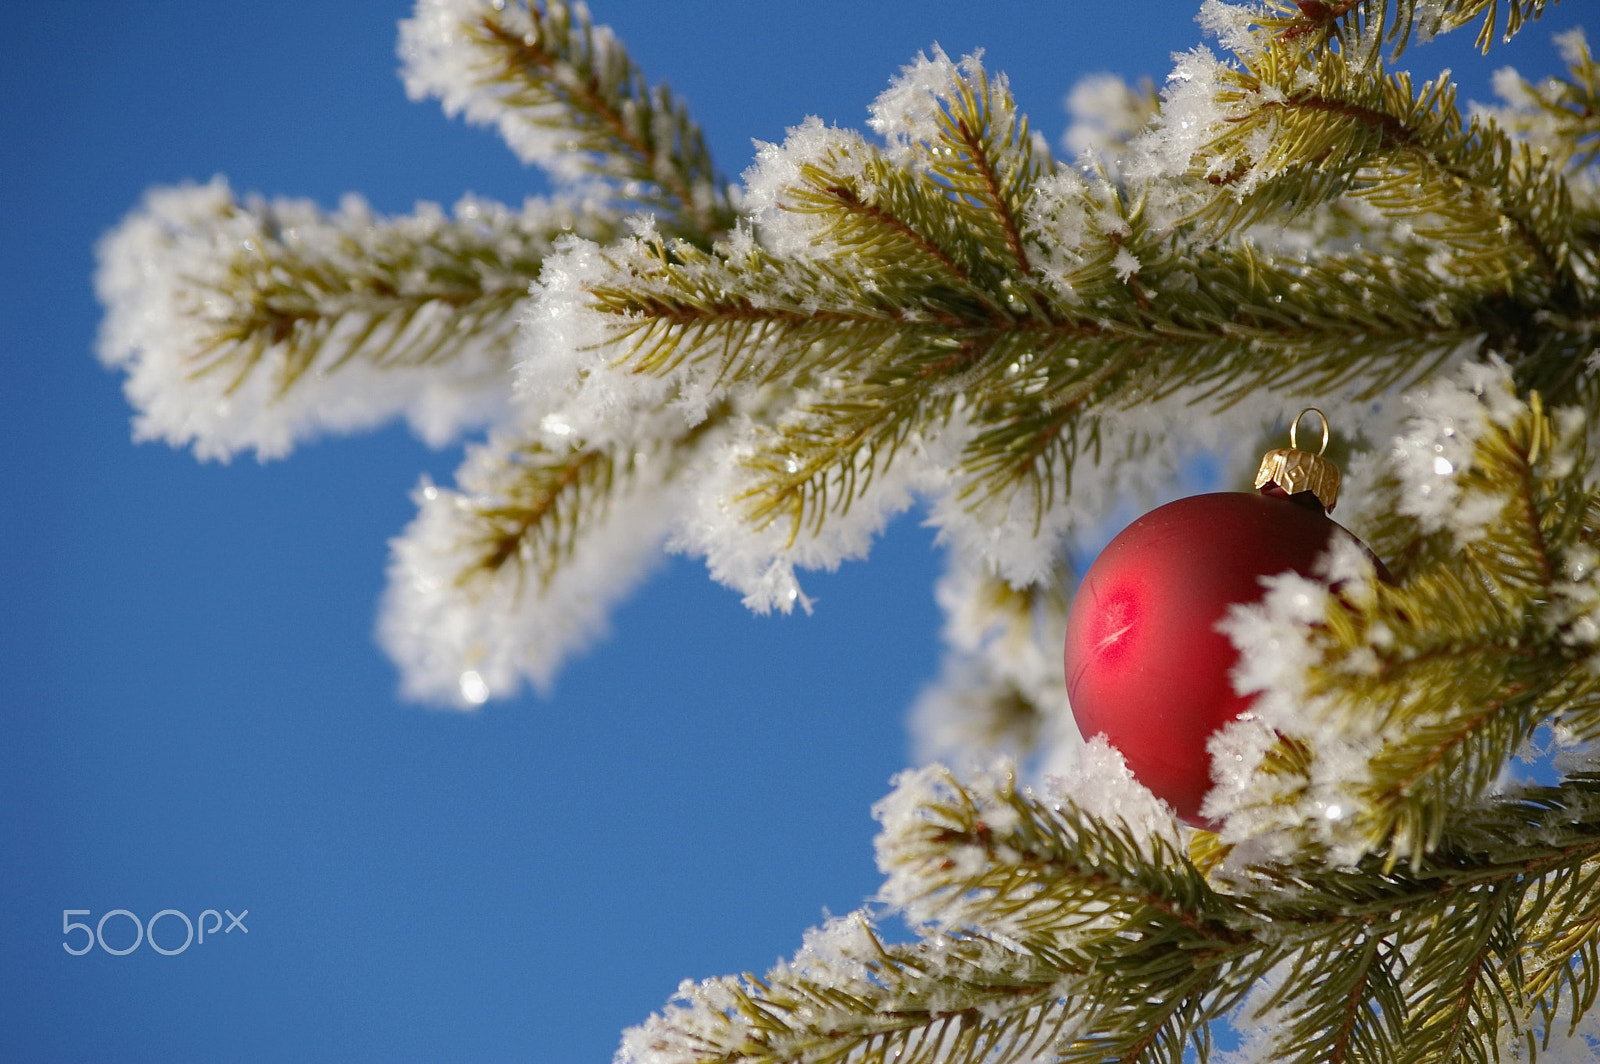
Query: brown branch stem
[(1008, 222)]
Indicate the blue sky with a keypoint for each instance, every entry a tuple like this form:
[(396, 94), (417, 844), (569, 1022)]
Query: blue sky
[(195, 715)]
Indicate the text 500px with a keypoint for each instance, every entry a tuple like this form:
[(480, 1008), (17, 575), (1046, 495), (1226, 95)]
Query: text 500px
[(141, 932)]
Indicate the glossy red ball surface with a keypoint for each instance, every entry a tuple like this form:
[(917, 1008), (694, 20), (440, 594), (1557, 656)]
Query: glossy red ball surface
[(1145, 664)]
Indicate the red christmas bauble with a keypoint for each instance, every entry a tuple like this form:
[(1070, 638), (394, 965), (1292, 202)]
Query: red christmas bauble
[(1145, 664)]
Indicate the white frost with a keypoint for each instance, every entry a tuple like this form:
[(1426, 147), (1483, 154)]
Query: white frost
[(761, 562), (837, 953), (461, 643), (1125, 264), (167, 279), (1574, 46), (1264, 815), (441, 57), (841, 156), (1190, 119), (1230, 24), (1102, 786), (911, 111), (564, 371), (1435, 453), (1105, 114)]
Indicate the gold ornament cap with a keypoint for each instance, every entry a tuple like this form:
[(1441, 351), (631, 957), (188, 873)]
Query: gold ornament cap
[(1293, 471)]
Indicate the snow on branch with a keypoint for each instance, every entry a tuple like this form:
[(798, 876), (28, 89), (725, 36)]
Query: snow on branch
[(1285, 134), (945, 317), (951, 850), (1361, 29), (508, 575), (960, 125), (849, 997), (565, 94), (252, 325), (1070, 924), (1388, 712), (1107, 113)]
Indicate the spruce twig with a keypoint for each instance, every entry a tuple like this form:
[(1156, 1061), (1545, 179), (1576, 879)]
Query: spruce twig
[(566, 94)]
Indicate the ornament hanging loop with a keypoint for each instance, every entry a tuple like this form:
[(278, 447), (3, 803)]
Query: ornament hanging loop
[(1296, 425), (1299, 475)]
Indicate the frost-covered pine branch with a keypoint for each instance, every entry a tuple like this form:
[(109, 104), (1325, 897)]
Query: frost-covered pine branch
[(1069, 924), (943, 314), (960, 296), (936, 312), (565, 94), (252, 325)]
